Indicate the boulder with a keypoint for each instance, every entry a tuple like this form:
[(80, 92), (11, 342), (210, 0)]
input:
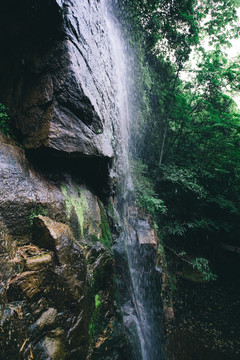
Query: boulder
[(24, 193), (60, 85), (68, 254), (146, 234), (53, 295)]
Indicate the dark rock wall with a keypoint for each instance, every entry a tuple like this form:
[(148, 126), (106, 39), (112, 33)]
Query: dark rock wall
[(57, 75), (57, 285), (57, 269)]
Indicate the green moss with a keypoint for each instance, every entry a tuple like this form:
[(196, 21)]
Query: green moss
[(104, 226), (36, 211), (161, 253), (110, 210), (4, 120), (98, 322), (94, 238), (97, 301), (67, 200), (91, 329), (79, 204)]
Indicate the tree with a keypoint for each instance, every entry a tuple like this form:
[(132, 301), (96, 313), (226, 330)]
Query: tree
[(188, 133)]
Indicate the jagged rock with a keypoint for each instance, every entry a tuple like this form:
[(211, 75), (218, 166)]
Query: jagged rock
[(49, 234), (71, 267), (55, 294), (54, 90), (23, 192), (38, 262), (27, 284), (63, 106), (48, 318), (168, 313), (107, 338), (52, 284), (54, 349), (145, 233)]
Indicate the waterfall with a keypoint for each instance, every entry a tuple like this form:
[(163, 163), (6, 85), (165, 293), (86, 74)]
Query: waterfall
[(136, 247)]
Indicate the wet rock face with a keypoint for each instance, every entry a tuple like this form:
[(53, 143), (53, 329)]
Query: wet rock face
[(146, 234), (57, 270), (57, 284), (55, 293), (139, 281), (59, 86), (24, 193), (59, 298)]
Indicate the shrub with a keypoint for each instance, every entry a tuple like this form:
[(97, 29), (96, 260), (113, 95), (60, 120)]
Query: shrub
[(4, 120)]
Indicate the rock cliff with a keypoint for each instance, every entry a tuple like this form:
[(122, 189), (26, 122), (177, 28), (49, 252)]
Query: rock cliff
[(58, 223), (56, 72), (57, 267)]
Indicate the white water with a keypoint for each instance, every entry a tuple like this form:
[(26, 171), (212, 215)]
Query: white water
[(138, 306)]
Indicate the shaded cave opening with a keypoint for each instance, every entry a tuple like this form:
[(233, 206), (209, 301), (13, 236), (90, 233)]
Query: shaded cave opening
[(92, 171)]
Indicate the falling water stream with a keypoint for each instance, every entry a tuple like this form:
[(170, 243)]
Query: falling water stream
[(138, 279)]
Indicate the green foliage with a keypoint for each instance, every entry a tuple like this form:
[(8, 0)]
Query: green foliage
[(184, 178), (106, 238), (175, 229), (182, 253), (202, 265), (36, 211), (172, 282), (97, 301), (4, 120), (144, 188), (188, 134), (97, 321), (162, 22)]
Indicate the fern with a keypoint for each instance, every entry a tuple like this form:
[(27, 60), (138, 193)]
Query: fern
[(147, 198)]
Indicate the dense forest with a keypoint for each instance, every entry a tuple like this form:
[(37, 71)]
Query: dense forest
[(185, 142), (185, 146)]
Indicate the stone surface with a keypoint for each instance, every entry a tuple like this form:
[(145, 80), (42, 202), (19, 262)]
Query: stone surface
[(51, 235), (107, 339), (26, 193), (145, 233), (55, 294), (48, 318), (83, 211), (57, 79), (60, 91), (54, 348), (38, 262), (50, 285), (23, 192)]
